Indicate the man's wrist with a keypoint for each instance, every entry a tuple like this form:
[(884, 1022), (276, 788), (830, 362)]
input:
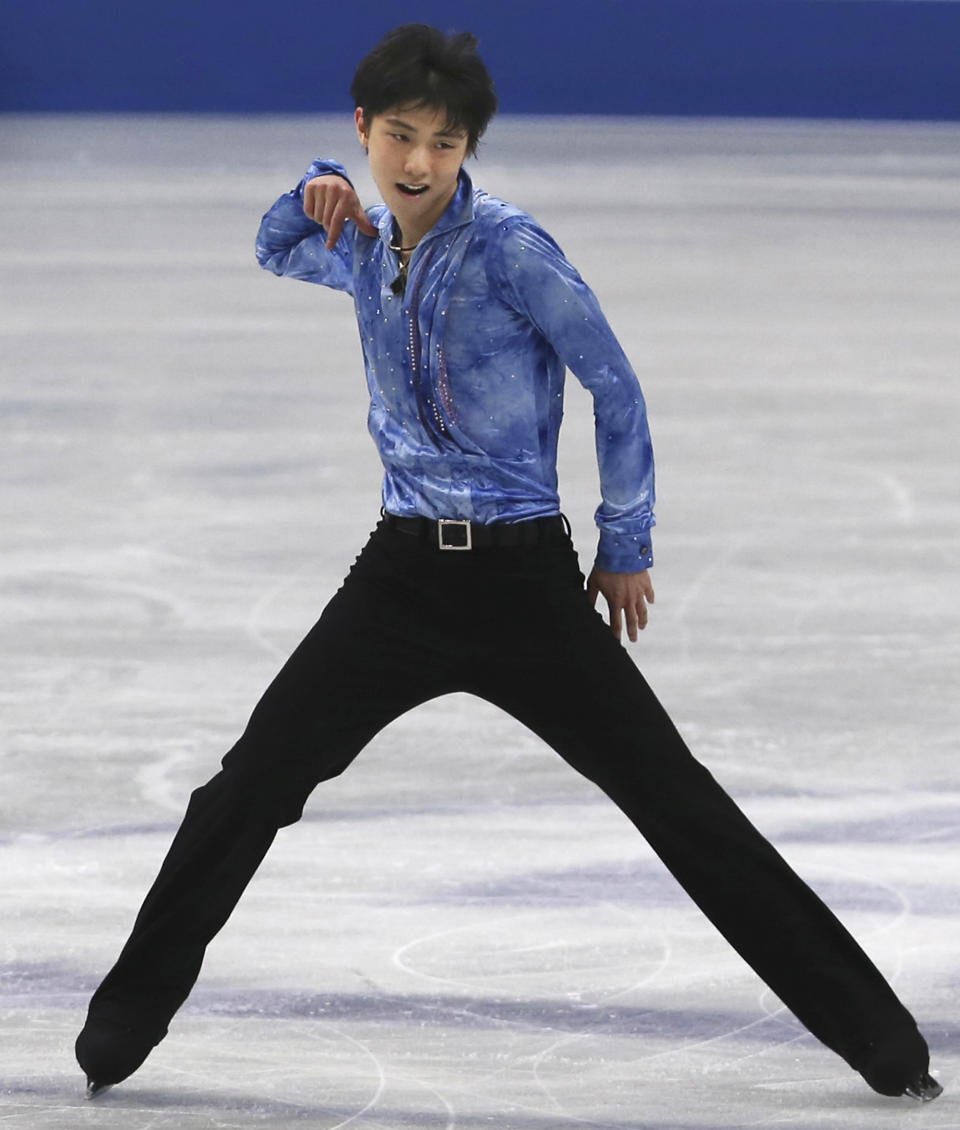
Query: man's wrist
[(322, 167), (624, 553)]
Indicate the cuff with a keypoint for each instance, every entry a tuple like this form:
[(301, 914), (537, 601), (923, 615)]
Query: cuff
[(625, 553), (322, 168)]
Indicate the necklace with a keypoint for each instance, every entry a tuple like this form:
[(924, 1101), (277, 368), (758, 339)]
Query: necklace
[(395, 241), (399, 284)]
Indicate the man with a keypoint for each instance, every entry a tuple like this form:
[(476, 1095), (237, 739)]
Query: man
[(469, 315)]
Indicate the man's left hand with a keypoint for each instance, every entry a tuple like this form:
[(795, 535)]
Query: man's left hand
[(627, 596)]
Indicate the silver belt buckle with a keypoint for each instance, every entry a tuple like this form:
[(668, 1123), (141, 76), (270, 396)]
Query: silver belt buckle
[(458, 523)]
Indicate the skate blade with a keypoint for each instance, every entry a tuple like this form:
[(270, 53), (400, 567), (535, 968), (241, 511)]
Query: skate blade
[(925, 1089), (95, 1090)]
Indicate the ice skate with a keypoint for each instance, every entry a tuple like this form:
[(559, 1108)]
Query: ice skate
[(109, 1051), (924, 1088), (898, 1065)]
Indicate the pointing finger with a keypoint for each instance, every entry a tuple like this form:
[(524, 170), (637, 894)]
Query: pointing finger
[(335, 227)]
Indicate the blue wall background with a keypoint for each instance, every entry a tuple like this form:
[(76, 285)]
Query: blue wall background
[(800, 58)]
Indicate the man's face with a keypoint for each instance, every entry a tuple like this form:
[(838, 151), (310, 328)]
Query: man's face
[(415, 161)]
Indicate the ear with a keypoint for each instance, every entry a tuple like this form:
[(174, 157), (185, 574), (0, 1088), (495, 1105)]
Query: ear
[(362, 130)]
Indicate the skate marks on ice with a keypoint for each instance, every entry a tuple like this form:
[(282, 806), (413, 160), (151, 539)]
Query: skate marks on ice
[(464, 1043), (271, 1073), (459, 935), (546, 980), (523, 985)]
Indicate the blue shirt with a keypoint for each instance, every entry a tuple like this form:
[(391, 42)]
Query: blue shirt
[(466, 366)]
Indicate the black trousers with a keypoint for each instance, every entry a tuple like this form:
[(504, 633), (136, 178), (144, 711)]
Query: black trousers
[(514, 627)]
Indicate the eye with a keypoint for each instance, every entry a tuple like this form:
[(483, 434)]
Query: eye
[(399, 136)]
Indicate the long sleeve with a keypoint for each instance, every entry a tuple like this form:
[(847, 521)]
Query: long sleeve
[(535, 279), (290, 244)]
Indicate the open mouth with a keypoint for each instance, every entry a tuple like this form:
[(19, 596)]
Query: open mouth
[(413, 189)]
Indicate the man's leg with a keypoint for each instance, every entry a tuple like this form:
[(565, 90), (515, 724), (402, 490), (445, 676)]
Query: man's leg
[(563, 675), (356, 670)]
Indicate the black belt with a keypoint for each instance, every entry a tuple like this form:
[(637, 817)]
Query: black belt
[(461, 533)]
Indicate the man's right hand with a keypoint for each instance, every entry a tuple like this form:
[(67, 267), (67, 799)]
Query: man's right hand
[(331, 201)]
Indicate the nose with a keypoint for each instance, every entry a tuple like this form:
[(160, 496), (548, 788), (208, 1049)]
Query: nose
[(417, 164)]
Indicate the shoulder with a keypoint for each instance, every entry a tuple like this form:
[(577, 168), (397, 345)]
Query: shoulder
[(510, 231), (490, 212)]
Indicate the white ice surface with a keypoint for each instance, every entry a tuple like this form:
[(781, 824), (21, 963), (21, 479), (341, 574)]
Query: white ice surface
[(461, 932)]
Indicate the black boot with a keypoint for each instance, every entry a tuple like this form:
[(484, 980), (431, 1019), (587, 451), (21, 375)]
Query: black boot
[(108, 1051), (899, 1065)]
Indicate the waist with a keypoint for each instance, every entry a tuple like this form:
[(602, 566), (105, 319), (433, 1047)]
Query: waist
[(462, 534)]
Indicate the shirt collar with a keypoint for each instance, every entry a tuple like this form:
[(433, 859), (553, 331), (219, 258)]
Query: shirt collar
[(457, 213)]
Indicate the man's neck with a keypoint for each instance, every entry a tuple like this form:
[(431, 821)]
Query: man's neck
[(411, 234)]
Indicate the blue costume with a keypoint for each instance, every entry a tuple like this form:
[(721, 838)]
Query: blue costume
[(466, 366)]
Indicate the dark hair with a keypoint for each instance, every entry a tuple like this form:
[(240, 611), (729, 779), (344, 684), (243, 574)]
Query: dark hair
[(418, 66)]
